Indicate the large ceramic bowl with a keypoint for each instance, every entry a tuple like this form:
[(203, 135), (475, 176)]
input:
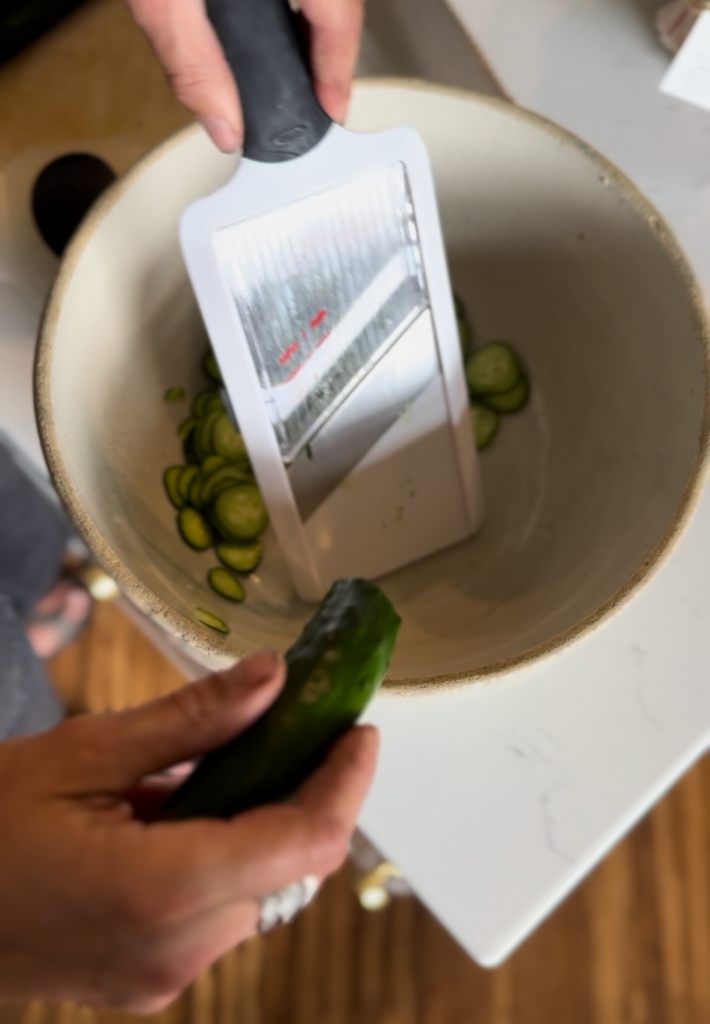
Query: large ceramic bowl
[(549, 247)]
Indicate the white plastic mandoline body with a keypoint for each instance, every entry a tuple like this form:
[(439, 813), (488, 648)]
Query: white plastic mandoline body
[(417, 489)]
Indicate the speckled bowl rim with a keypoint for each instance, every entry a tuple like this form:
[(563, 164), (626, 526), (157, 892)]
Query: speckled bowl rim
[(199, 637)]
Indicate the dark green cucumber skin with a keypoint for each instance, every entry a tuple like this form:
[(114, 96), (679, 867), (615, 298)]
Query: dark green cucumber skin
[(334, 669)]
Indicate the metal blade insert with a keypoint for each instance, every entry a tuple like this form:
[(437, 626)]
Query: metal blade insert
[(323, 288)]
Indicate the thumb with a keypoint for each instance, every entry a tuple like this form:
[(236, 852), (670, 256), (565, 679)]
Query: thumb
[(187, 47), (124, 747)]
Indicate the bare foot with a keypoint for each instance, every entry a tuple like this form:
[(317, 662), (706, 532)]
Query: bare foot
[(58, 618)]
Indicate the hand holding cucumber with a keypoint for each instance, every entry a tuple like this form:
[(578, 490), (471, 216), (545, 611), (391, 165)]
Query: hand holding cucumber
[(101, 907)]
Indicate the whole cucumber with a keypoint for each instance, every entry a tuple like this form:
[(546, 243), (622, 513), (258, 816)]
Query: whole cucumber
[(334, 668)]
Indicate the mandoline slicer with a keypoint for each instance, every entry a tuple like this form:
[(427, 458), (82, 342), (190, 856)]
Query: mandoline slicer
[(321, 276)]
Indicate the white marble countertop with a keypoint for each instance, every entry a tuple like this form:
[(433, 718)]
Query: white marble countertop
[(594, 67), (542, 771)]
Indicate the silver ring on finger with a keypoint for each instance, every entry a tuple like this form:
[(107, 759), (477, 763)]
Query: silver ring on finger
[(285, 904)]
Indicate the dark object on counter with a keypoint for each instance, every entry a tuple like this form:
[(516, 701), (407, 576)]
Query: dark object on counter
[(334, 668), (64, 192), (23, 21)]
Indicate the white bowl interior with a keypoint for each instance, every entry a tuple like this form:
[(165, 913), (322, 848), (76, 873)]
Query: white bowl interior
[(550, 249)]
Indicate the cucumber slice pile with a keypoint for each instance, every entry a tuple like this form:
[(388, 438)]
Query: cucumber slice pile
[(497, 383), (219, 504)]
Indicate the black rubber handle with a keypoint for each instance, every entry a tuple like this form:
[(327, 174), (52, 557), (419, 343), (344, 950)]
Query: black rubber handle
[(282, 117)]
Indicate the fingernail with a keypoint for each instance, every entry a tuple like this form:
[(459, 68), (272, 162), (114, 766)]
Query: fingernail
[(222, 134)]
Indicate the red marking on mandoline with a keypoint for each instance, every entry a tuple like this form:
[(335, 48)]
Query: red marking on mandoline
[(288, 353), (319, 318)]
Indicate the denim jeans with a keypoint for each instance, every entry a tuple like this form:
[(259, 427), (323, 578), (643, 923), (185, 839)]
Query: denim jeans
[(33, 535)]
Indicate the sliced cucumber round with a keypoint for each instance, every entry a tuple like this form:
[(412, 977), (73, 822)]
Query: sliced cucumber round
[(240, 557), (211, 367), (186, 427), (211, 463), (214, 402), (492, 369), (171, 478), (513, 400), (213, 621), (202, 401), (190, 453), (195, 492), (187, 475), (227, 441), (202, 437), (224, 485), (223, 477), (484, 423), (195, 529), (174, 395), (239, 513), (226, 584)]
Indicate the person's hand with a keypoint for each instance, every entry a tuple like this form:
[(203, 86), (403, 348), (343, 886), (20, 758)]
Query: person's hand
[(98, 906), (189, 50)]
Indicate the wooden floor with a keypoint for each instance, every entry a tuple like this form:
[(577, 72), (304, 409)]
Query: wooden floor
[(631, 946)]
